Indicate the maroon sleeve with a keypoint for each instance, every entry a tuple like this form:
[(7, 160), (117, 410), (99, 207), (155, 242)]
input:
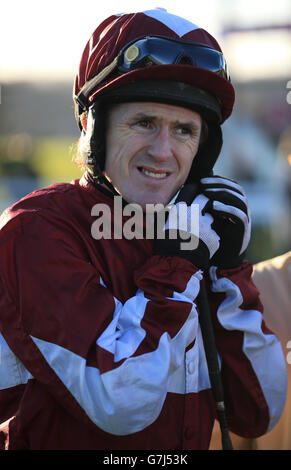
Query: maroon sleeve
[(252, 363)]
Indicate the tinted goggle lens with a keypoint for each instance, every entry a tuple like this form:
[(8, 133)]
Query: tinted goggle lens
[(154, 50)]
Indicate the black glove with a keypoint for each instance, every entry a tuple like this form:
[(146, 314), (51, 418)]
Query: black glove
[(187, 232), (229, 207)]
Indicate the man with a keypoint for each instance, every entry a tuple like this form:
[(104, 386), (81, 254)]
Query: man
[(100, 336)]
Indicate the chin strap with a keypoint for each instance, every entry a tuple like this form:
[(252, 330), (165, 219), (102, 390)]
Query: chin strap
[(98, 179)]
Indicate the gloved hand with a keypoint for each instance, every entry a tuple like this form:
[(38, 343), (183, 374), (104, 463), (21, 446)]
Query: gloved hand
[(187, 232), (229, 207)]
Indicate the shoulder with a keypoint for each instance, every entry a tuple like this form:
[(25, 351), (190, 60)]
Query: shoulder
[(52, 197)]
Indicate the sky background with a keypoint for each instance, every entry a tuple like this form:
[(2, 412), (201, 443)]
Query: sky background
[(45, 39)]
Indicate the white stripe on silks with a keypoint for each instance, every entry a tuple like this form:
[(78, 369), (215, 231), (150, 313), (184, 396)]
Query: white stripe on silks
[(130, 397), (261, 349), (193, 376), (12, 371), (196, 367), (125, 327), (177, 24), (124, 400), (124, 333), (191, 290)]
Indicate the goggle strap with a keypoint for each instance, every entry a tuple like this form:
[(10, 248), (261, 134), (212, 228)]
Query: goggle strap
[(84, 93)]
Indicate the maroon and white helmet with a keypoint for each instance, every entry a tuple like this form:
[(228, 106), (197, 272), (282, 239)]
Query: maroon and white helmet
[(152, 56)]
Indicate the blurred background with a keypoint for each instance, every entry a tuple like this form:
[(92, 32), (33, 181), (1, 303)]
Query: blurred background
[(40, 48)]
